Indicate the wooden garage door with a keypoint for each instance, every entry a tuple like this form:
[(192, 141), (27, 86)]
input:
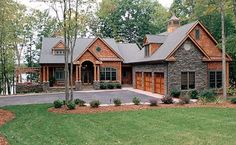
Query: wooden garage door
[(159, 83), (138, 78), (148, 81)]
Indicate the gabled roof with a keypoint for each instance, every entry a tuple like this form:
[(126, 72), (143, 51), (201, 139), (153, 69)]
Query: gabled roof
[(171, 42), (46, 56)]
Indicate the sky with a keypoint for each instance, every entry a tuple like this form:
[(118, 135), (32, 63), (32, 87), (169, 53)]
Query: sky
[(165, 3)]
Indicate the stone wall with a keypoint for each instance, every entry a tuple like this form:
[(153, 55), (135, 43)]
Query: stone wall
[(187, 60), (29, 88)]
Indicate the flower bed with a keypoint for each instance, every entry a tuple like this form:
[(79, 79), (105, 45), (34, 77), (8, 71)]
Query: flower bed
[(5, 117), (112, 108)]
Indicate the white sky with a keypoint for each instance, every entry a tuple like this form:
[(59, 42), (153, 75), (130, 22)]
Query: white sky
[(38, 5)]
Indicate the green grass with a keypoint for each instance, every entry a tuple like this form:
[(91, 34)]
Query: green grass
[(201, 126)]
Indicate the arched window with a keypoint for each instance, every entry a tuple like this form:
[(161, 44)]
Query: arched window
[(108, 74)]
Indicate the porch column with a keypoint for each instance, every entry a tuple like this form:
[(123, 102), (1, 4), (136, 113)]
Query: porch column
[(44, 73), (98, 70), (76, 73), (80, 73), (95, 72), (47, 73)]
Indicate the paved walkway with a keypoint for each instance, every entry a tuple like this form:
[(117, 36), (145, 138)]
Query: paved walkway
[(105, 96)]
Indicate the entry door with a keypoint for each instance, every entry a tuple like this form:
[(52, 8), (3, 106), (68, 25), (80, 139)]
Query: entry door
[(87, 78), (159, 83), (148, 81)]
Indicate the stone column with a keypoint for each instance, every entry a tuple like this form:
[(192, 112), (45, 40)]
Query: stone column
[(78, 83), (45, 78), (96, 84)]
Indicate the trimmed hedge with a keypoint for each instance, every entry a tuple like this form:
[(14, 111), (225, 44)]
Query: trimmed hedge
[(110, 85), (28, 88)]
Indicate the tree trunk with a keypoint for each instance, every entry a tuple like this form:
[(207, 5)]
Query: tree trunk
[(223, 49)]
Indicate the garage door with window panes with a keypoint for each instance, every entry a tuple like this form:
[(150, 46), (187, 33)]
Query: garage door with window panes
[(138, 78), (148, 81), (108, 74), (187, 80), (159, 86), (215, 79)]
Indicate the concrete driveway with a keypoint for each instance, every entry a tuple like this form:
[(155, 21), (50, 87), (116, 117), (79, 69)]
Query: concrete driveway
[(105, 97)]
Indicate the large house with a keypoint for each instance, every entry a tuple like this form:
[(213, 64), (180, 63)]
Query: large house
[(184, 58)]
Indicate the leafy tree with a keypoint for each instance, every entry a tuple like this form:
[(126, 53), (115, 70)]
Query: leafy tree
[(130, 20)]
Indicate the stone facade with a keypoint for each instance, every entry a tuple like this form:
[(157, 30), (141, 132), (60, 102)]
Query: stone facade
[(187, 60), (45, 86), (96, 85), (78, 85), (29, 88)]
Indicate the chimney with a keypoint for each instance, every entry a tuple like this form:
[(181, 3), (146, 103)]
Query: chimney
[(173, 24)]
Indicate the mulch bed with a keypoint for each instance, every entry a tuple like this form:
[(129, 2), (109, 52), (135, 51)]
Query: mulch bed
[(101, 109), (5, 117)]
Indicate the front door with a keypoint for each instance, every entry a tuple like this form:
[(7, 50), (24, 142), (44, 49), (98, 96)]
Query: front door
[(87, 77), (87, 73)]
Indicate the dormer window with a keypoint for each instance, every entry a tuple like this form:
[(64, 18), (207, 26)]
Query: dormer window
[(58, 49), (58, 52), (197, 34), (147, 51)]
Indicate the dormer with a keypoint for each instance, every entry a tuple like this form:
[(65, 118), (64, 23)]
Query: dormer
[(58, 49), (152, 43), (173, 24)]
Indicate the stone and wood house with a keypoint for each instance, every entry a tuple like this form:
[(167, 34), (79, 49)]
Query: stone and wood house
[(184, 58)]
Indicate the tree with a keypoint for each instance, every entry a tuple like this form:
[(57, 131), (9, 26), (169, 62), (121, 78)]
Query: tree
[(130, 20), (222, 11), (71, 15)]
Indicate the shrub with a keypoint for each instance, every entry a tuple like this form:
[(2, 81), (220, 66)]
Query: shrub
[(117, 102), (208, 95), (71, 105), (184, 100), (110, 86), (175, 93), (153, 102), (167, 100), (95, 104), (118, 86), (193, 94), (80, 102), (103, 86), (233, 100), (231, 91), (136, 101), (58, 103)]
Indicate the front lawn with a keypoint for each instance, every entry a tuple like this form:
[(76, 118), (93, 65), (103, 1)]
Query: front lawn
[(33, 125)]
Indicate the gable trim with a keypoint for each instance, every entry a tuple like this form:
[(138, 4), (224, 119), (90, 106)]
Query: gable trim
[(95, 39), (55, 46), (181, 43)]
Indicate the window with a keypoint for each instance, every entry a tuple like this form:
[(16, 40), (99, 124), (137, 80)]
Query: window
[(147, 50), (197, 34), (187, 80), (108, 74), (215, 79), (58, 52), (59, 74)]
